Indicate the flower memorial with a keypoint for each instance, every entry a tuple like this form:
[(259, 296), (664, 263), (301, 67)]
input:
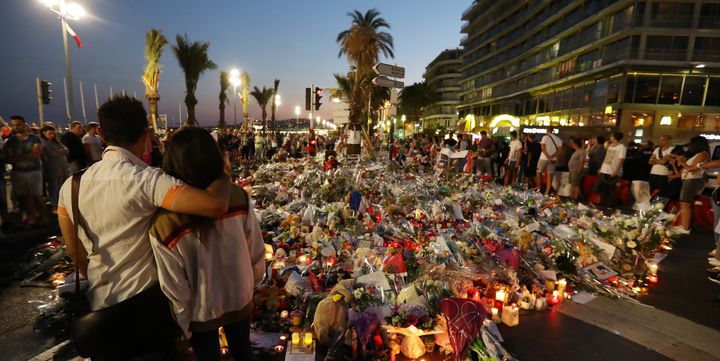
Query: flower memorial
[(374, 261)]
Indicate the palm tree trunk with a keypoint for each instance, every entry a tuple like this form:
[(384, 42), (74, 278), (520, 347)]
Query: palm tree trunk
[(221, 123), (190, 102), (153, 108), (264, 116)]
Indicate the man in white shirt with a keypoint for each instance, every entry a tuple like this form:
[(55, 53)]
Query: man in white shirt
[(659, 160), (117, 200), (513, 157), (549, 146), (92, 143), (611, 170)]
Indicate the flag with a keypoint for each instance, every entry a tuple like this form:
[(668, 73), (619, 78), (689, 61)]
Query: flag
[(74, 35)]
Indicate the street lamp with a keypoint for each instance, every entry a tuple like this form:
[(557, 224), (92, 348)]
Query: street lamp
[(297, 116), (235, 81), (66, 12)]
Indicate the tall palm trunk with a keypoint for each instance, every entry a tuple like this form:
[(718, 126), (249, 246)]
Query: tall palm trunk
[(153, 108), (191, 102)]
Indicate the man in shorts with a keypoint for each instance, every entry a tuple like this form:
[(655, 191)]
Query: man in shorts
[(549, 146), (23, 151)]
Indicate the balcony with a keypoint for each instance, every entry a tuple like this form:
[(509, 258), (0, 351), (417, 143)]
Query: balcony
[(709, 22), (676, 21), (665, 54), (706, 55)]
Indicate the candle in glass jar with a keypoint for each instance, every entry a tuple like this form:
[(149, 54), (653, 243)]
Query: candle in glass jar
[(269, 252), (653, 269), (561, 286), (500, 295), (494, 311), (295, 338), (308, 339)]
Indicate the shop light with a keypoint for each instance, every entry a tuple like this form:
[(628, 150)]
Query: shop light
[(711, 136), (666, 120), (700, 66)]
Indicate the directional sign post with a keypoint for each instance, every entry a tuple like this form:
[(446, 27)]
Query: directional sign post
[(388, 83), (389, 70)]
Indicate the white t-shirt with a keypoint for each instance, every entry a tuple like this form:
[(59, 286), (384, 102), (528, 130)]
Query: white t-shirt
[(95, 148), (118, 198), (550, 147), (694, 174), (660, 169), (614, 155), (515, 145)]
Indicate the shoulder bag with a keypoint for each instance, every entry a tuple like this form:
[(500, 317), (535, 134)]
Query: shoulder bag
[(139, 325)]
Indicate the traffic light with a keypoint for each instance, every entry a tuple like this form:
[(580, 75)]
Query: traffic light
[(318, 95), (45, 91), (308, 99)]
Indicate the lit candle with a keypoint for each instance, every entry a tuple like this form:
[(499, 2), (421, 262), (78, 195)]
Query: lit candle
[(555, 297), (302, 259), (653, 269), (308, 339), (279, 348), (561, 286), (494, 311), (283, 338), (652, 278), (295, 338), (269, 252), (284, 314), (550, 285), (500, 295)]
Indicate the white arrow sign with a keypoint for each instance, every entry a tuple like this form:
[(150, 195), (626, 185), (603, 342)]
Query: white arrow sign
[(389, 70), (385, 82)]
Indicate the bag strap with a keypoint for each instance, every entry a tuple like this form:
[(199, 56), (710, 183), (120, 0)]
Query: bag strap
[(660, 155), (555, 144), (74, 196)]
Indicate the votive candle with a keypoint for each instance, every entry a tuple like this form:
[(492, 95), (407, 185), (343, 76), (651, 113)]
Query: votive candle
[(295, 338)]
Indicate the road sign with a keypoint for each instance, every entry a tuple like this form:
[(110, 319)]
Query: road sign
[(385, 82), (389, 70)]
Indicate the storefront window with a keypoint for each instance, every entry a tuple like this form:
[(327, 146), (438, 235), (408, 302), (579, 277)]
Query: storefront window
[(641, 120), (712, 122), (610, 118), (646, 89), (596, 118), (713, 93), (584, 119), (670, 90), (690, 121), (693, 90), (614, 90), (630, 88)]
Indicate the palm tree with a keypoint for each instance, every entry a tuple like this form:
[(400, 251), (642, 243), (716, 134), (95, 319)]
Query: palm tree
[(245, 81), (273, 102), (193, 59), (362, 43), (345, 85), (155, 43), (262, 97), (224, 86)]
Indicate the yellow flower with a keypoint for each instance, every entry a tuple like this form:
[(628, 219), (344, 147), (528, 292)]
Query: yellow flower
[(336, 297)]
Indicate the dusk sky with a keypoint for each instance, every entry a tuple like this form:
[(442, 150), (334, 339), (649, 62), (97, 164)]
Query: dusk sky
[(293, 41)]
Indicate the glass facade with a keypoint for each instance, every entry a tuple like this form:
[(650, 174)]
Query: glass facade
[(591, 62)]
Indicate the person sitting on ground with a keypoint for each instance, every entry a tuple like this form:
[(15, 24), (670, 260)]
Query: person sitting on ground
[(208, 268)]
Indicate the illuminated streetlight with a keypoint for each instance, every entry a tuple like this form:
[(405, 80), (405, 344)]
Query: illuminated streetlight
[(66, 12), (700, 66), (235, 81), (297, 116)]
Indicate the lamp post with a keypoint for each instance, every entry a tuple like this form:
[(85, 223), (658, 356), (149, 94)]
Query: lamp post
[(66, 12), (235, 81), (297, 116)]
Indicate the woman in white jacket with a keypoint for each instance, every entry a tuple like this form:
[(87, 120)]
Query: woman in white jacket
[(208, 268)]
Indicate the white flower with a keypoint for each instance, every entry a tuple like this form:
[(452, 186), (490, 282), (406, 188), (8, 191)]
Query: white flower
[(358, 292), (631, 244)]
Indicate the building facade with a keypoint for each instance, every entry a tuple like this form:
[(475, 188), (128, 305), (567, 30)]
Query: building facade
[(645, 68), (443, 75)]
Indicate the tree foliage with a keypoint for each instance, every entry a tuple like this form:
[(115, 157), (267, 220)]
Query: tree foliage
[(194, 61)]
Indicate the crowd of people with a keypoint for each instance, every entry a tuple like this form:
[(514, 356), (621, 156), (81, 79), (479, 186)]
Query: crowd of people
[(161, 219)]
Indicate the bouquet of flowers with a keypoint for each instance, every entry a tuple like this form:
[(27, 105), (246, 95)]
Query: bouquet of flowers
[(407, 315)]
